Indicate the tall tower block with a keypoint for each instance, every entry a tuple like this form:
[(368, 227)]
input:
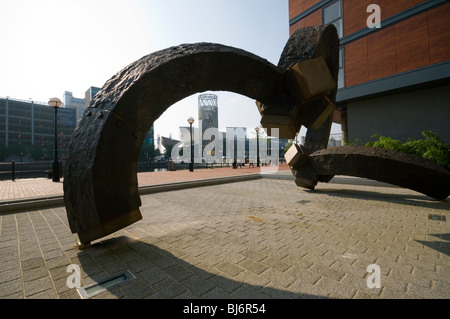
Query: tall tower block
[(208, 114), (208, 111)]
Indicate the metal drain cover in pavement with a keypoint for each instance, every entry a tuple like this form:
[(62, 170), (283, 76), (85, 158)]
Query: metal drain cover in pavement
[(436, 217), (95, 289)]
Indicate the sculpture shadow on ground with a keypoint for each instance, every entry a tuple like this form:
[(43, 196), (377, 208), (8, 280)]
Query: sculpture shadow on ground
[(402, 199), (440, 246), (162, 275)]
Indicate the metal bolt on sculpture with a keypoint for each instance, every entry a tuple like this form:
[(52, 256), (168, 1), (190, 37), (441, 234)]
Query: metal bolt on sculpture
[(100, 183)]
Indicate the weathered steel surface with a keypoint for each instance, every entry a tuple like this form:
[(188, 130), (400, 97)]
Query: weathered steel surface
[(382, 165), (312, 42), (303, 45)]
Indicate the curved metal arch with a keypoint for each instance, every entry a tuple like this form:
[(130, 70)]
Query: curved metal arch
[(100, 185), (388, 166)]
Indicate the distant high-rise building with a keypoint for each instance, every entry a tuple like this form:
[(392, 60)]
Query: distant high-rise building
[(89, 95), (76, 103), (208, 111), (208, 114)]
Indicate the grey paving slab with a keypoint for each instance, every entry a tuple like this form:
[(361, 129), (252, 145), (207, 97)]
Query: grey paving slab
[(263, 238)]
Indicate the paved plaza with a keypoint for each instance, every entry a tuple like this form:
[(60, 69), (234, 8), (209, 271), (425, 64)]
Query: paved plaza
[(40, 187), (261, 238)]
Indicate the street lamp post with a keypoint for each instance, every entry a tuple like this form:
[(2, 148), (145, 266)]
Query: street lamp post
[(55, 103), (257, 146), (191, 165)]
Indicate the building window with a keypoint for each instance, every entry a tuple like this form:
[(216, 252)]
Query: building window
[(332, 14)]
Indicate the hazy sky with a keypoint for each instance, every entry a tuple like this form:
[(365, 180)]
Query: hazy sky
[(51, 46)]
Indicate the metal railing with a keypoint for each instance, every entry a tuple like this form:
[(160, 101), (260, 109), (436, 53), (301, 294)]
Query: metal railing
[(19, 170), (43, 169)]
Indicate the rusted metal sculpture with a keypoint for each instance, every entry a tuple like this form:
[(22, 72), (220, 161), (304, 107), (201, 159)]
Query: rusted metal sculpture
[(100, 183), (303, 46)]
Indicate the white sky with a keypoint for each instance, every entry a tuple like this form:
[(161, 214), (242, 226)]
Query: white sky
[(51, 46)]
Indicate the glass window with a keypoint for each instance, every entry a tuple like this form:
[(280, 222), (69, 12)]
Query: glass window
[(341, 78), (332, 12), (338, 25)]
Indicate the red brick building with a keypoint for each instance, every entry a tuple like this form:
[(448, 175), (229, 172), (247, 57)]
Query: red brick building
[(393, 80)]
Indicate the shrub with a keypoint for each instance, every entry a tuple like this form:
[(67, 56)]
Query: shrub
[(431, 148), (386, 143)]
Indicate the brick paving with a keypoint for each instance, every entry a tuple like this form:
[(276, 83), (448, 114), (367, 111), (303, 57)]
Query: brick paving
[(41, 187), (263, 238)]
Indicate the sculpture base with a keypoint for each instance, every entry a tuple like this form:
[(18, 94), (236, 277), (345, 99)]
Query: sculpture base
[(109, 227)]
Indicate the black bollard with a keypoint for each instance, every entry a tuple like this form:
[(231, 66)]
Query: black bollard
[(13, 172)]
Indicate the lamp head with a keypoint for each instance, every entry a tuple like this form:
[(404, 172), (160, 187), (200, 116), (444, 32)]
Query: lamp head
[(55, 102)]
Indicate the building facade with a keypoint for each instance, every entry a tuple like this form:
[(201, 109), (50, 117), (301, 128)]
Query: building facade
[(75, 103), (27, 129), (394, 78)]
